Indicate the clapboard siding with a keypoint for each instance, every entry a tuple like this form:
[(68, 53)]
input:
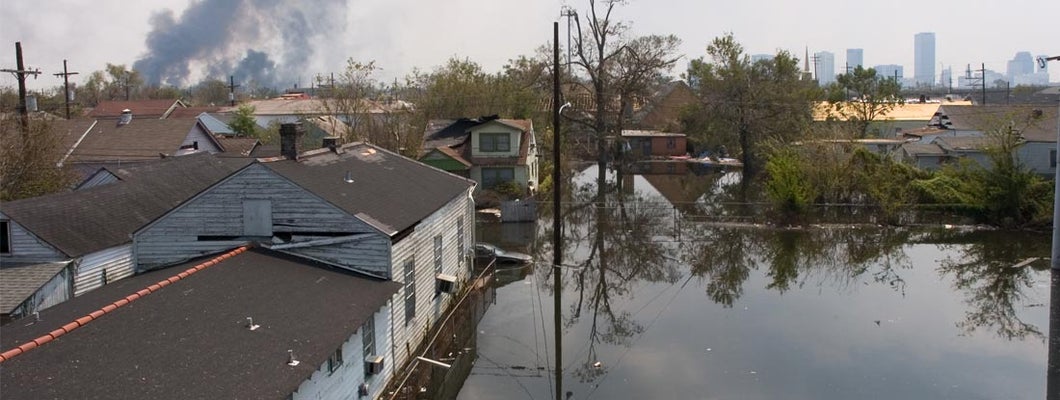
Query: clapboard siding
[(100, 178), (1036, 157), (198, 136), (370, 255), (420, 245), (218, 211), (27, 248), (343, 383), (55, 291), (116, 261)]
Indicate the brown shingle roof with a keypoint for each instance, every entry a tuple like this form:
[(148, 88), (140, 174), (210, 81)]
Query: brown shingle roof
[(189, 340), (140, 108), (111, 213), (141, 139)]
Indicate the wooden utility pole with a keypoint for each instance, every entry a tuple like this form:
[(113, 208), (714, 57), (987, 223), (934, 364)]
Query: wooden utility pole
[(66, 86), (557, 233), (232, 90), (20, 73)]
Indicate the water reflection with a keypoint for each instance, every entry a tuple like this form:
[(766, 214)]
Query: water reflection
[(831, 309)]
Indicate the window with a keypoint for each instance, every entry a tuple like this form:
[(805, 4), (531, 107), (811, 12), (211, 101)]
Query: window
[(335, 360), (410, 290), (1052, 158), (494, 142), (494, 176), (368, 337), (438, 254), (460, 240), (5, 237), (103, 278), (671, 143)]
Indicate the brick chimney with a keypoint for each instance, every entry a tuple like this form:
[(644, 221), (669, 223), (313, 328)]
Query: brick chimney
[(290, 140)]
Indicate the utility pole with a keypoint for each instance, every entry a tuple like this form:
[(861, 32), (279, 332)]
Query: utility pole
[(815, 77), (66, 86), (20, 73), (568, 12), (982, 70), (1052, 385), (557, 233), (232, 90)]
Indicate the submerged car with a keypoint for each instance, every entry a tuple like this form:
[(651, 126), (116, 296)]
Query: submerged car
[(486, 250)]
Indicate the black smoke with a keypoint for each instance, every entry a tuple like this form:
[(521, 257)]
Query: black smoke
[(269, 42)]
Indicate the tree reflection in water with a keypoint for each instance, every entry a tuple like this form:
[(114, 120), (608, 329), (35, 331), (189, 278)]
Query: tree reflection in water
[(994, 289), (617, 239)]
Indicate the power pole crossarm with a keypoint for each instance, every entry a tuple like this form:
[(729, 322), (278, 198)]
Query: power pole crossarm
[(66, 86)]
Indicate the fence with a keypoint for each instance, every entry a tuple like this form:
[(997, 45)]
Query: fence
[(453, 342)]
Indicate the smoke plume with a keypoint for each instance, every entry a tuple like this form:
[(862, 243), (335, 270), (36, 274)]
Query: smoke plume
[(268, 42)]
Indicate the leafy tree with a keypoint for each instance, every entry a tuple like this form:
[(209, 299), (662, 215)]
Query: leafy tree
[(210, 92), (243, 121), (348, 99), (115, 82), (861, 96), (747, 103), (29, 161)]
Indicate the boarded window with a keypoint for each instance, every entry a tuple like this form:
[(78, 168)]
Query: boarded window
[(5, 237), (257, 217), (410, 290)]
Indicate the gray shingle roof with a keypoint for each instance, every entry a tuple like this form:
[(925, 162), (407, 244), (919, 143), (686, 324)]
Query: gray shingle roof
[(395, 191), (19, 282), (142, 139), (94, 219), (188, 340)]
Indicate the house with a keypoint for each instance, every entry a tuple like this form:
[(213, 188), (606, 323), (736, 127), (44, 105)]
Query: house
[(654, 144), (147, 109), (663, 110), (90, 230), (355, 207), (964, 131), (926, 156), (489, 150), (252, 324), (131, 139), (900, 118)]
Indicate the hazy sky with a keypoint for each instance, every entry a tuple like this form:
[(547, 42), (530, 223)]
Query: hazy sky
[(402, 34)]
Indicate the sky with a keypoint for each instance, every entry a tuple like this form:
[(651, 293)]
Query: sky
[(183, 41)]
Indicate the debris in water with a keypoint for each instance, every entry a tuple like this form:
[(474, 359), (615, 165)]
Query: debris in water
[(598, 364)]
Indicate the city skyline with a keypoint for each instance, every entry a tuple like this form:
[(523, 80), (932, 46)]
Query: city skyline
[(370, 30)]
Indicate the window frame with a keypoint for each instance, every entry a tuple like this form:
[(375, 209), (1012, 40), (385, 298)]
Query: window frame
[(494, 181), (5, 241), (410, 290), (335, 361), (490, 142), (368, 337)]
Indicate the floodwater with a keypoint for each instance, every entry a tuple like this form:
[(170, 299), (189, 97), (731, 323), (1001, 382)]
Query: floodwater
[(657, 304)]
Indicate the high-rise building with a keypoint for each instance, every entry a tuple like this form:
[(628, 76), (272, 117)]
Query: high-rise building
[(825, 67), (855, 58), (761, 57), (924, 58), (946, 79), (1021, 64), (890, 71)]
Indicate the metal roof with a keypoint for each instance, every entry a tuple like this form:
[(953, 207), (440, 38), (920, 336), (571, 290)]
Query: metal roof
[(189, 339)]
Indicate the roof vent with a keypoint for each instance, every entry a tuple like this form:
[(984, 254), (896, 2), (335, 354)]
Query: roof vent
[(348, 178), (290, 359), (251, 325), (125, 118)]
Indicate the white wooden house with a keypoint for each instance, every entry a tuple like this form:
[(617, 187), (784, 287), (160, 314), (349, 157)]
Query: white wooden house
[(254, 325), (91, 229), (356, 207)]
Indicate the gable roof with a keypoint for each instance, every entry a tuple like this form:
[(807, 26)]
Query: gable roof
[(17, 283), (146, 109), (963, 143), (923, 149), (111, 213), (1036, 122), (141, 139), (389, 191), (189, 339)]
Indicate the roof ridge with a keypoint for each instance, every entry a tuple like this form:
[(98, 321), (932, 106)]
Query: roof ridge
[(40, 341)]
